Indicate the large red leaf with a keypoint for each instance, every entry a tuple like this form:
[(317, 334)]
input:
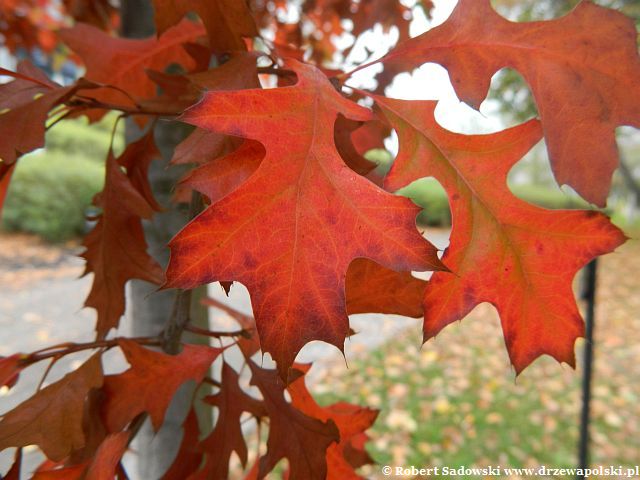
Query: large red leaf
[(518, 257), (227, 21), (583, 70), (290, 231), (52, 418), (301, 439), (123, 62), (150, 383), (227, 435), (351, 420), (116, 248)]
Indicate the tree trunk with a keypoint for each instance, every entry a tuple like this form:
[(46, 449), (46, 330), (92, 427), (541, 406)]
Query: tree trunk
[(148, 309)]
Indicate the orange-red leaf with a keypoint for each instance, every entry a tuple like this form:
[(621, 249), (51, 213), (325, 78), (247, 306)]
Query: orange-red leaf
[(220, 176), (583, 70), (123, 62), (227, 435), (102, 466), (9, 370), (227, 21), (299, 438), (116, 248), (351, 420), (518, 257), (52, 418), (372, 288), (291, 230), (150, 383), (105, 463)]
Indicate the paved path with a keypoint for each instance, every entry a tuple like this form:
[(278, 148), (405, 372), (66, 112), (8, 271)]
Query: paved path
[(41, 300)]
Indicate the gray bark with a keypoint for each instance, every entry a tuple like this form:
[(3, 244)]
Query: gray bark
[(148, 309)]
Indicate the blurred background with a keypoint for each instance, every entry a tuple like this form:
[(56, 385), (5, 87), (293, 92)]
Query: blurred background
[(455, 400)]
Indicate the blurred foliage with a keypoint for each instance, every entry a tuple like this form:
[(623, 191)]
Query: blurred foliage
[(52, 189)]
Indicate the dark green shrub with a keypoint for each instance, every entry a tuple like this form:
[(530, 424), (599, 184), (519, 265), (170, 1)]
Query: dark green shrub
[(49, 194)]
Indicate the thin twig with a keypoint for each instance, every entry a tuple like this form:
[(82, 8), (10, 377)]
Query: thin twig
[(68, 348), (282, 72), (211, 381), (216, 334), (179, 318)]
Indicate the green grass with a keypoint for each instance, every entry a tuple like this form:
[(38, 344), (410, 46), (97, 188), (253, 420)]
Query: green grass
[(52, 188), (49, 193), (439, 415)]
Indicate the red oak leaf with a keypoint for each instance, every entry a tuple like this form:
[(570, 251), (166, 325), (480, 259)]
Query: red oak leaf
[(227, 21), (351, 420), (221, 176), (227, 435), (372, 288), (150, 383), (116, 250), (202, 146), (52, 418), (102, 466), (583, 70), (290, 231), (518, 257), (299, 438), (122, 63), (107, 459), (10, 369)]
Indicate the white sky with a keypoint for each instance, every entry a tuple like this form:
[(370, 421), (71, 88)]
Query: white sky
[(430, 81)]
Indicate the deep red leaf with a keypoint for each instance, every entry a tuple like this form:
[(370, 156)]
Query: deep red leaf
[(227, 436), (150, 383), (299, 438), (372, 288), (116, 248), (52, 418), (351, 421)]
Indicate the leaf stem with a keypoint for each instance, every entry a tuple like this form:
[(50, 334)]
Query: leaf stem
[(216, 334), (68, 348)]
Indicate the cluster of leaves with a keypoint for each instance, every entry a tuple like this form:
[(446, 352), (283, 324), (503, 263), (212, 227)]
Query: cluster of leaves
[(297, 214)]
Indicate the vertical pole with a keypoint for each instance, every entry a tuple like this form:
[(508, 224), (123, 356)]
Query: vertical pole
[(588, 294)]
